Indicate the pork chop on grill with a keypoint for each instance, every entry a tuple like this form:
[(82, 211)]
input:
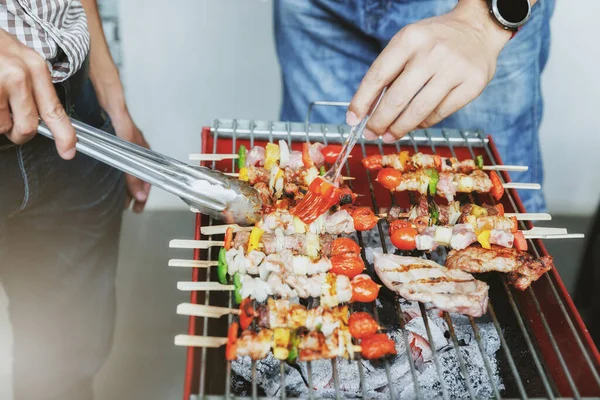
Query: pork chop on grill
[(426, 281), (523, 268)]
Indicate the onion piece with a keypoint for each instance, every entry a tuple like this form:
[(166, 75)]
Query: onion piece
[(284, 154)]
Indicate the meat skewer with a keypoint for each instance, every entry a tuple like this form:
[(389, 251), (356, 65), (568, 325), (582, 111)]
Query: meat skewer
[(291, 331), (402, 161), (346, 220), (417, 279), (258, 179), (523, 269), (447, 184)]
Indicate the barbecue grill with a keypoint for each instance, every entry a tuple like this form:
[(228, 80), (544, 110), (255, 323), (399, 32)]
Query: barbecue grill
[(545, 349)]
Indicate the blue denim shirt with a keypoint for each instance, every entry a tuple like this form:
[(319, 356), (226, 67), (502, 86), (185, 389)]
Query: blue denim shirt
[(325, 47)]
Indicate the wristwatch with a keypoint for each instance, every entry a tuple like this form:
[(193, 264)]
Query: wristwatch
[(510, 14)]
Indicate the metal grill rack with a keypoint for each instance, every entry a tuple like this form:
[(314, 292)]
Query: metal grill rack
[(545, 348)]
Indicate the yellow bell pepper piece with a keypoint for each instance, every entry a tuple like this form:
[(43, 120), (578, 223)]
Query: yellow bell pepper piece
[(281, 339), (404, 157), (271, 155), (484, 239), (478, 211), (243, 176), (254, 240)]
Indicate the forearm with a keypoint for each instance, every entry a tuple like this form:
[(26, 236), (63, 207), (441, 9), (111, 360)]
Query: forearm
[(103, 71), (477, 11)]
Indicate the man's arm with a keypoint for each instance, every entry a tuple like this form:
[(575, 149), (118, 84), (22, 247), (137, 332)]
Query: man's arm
[(107, 84), (432, 69)]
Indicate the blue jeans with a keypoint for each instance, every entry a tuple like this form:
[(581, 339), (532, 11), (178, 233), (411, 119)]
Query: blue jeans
[(325, 47), (59, 233)]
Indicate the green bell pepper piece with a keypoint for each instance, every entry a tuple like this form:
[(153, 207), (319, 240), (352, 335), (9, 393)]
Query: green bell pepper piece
[(434, 213), (322, 170), (242, 157), (222, 266), (433, 181), (479, 161), (237, 283), (293, 354)]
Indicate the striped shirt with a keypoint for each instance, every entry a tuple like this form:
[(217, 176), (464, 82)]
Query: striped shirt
[(56, 29)]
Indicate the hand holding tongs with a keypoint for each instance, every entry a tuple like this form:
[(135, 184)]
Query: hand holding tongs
[(211, 192)]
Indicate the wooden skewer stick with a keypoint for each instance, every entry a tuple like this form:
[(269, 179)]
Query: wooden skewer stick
[(213, 157), (199, 310), (215, 342), (530, 216), (199, 341), (204, 286), (219, 229), (556, 236), (522, 186), (508, 168), (235, 175), (519, 216), (192, 263), (545, 231), (194, 244), (220, 157)]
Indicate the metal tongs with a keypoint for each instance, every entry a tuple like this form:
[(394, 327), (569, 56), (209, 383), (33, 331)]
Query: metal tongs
[(211, 192)]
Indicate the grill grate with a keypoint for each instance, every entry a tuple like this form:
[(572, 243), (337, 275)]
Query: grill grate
[(556, 370)]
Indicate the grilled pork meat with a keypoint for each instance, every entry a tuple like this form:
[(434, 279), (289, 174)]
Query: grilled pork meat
[(422, 280), (523, 268)]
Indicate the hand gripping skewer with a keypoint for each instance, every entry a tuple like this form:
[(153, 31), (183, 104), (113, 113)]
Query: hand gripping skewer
[(211, 192)]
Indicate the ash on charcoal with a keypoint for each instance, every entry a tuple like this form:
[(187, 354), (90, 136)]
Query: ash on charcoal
[(376, 382)]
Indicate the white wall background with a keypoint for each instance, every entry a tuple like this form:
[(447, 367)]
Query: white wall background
[(204, 59)]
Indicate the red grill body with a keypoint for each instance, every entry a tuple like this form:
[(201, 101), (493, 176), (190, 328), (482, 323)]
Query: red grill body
[(559, 332)]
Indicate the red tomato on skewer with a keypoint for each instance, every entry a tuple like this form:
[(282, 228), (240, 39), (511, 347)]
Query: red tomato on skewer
[(362, 325), (331, 152), (372, 162), (364, 219), (364, 290), (389, 178), (377, 346), (348, 264), (344, 245), (404, 238)]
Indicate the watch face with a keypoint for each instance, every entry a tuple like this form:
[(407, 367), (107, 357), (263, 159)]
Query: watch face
[(513, 11)]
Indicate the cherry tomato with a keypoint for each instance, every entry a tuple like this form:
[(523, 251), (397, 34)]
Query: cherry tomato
[(348, 264), (364, 219), (398, 224), (247, 313), (228, 238), (331, 152), (306, 160), (497, 190), (377, 346), (364, 290), (347, 196), (372, 163), (361, 325), (230, 349), (390, 178), (500, 208), (343, 246), (404, 238), (520, 242)]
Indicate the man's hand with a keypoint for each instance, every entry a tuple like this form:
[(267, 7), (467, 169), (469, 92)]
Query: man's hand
[(27, 92), (441, 64)]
